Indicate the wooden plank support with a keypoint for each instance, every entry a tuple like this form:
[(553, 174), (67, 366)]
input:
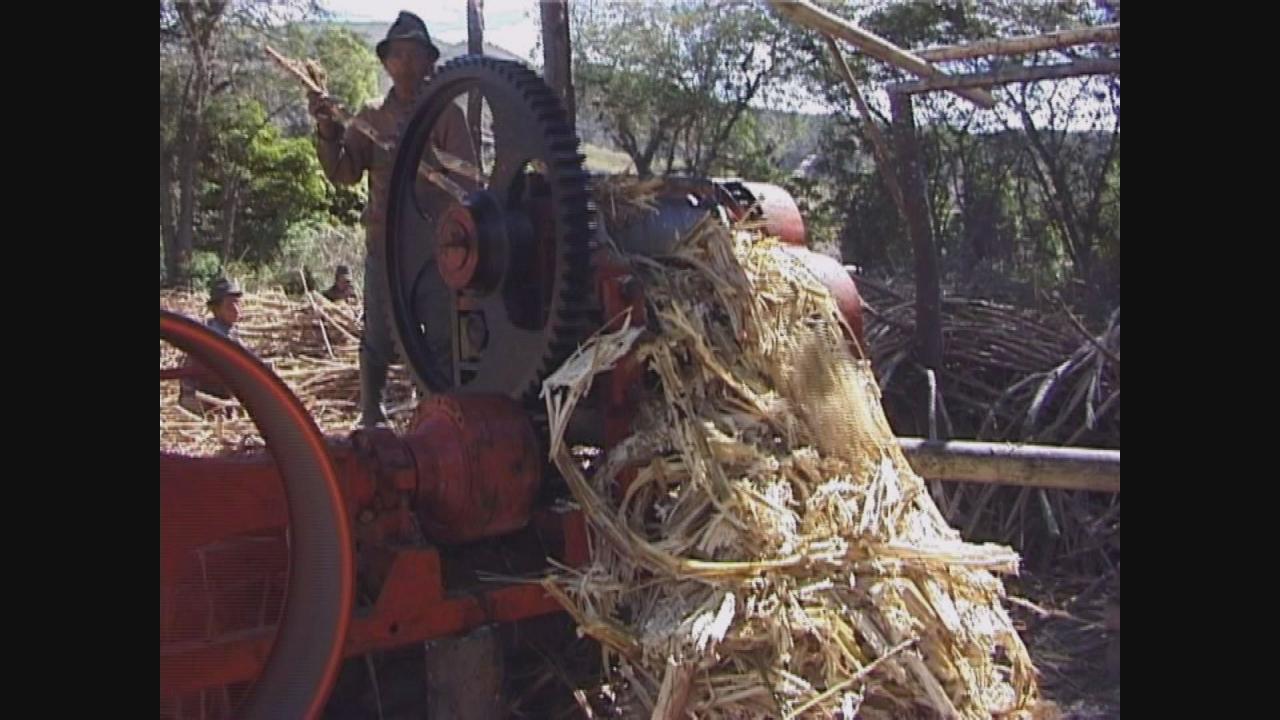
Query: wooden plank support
[(806, 14), (1039, 466), (1009, 74), (1024, 45), (464, 676), (475, 46), (879, 145), (557, 60)]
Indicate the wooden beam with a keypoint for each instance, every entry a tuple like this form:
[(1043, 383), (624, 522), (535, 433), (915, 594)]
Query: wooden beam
[(475, 46), (556, 58), (464, 676), (808, 15), (475, 27), (1010, 74), (879, 146), (1038, 466), (1025, 44)]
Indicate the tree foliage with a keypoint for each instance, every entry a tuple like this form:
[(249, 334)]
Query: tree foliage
[(258, 183), (236, 165), (671, 82), (1021, 197)]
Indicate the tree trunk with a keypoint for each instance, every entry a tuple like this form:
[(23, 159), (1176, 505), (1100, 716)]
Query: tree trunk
[(928, 285), (650, 149), (642, 157), (167, 228), (230, 208), (1062, 199), (200, 23), (644, 168), (188, 156), (671, 152)]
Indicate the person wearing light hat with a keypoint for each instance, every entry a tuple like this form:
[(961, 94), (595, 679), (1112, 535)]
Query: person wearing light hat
[(224, 308), (409, 56)]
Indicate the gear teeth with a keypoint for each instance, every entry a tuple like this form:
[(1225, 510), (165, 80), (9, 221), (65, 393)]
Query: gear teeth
[(566, 325)]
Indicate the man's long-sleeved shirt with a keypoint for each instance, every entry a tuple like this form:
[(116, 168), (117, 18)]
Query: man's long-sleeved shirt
[(346, 158)]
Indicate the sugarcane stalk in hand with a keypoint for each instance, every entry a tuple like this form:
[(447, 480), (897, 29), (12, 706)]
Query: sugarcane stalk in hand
[(329, 111)]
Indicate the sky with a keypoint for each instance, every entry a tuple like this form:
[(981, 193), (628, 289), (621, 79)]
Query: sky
[(513, 25)]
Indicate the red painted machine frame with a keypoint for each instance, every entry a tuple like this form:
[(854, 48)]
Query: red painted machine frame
[(413, 605)]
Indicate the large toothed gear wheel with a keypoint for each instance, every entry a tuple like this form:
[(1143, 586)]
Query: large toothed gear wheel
[(487, 255)]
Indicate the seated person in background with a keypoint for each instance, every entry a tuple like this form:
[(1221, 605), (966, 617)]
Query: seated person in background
[(224, 305), (341, 288)]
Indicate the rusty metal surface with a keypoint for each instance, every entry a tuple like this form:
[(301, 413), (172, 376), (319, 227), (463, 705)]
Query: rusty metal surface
[(478, 466), (413, 605), (781, 215), (843, 290), (457, 247)]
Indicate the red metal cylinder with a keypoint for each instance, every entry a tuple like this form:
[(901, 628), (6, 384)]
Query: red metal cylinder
[(782, 217), (477, 466), (836, 278), (457, 247)]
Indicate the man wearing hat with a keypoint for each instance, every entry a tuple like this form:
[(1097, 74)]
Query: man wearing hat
[(341, 289), (224, 306), (409, 57)]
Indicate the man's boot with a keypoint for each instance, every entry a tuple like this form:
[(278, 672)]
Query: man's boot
[(372, 381)]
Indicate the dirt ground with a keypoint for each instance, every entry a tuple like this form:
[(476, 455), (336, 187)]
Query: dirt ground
[(1074, 642)]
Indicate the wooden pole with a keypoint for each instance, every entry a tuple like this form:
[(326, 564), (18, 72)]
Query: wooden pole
[(464, 676), (475, 46), (1037, 466), (928, 335), (556, 59), (1011, 74), (1024, 45), (808, 15), (475, 27), (879, 146)]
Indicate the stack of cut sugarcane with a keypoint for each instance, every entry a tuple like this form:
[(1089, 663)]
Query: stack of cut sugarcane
[(311, 343)]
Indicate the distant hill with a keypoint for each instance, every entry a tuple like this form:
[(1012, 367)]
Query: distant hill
[(795, 135)]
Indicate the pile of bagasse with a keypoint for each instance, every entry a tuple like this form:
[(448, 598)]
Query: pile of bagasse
[(774, 555)]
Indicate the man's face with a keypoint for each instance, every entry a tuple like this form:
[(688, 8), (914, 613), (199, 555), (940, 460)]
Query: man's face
[(344, 283), (408, 61), (228, 310)]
